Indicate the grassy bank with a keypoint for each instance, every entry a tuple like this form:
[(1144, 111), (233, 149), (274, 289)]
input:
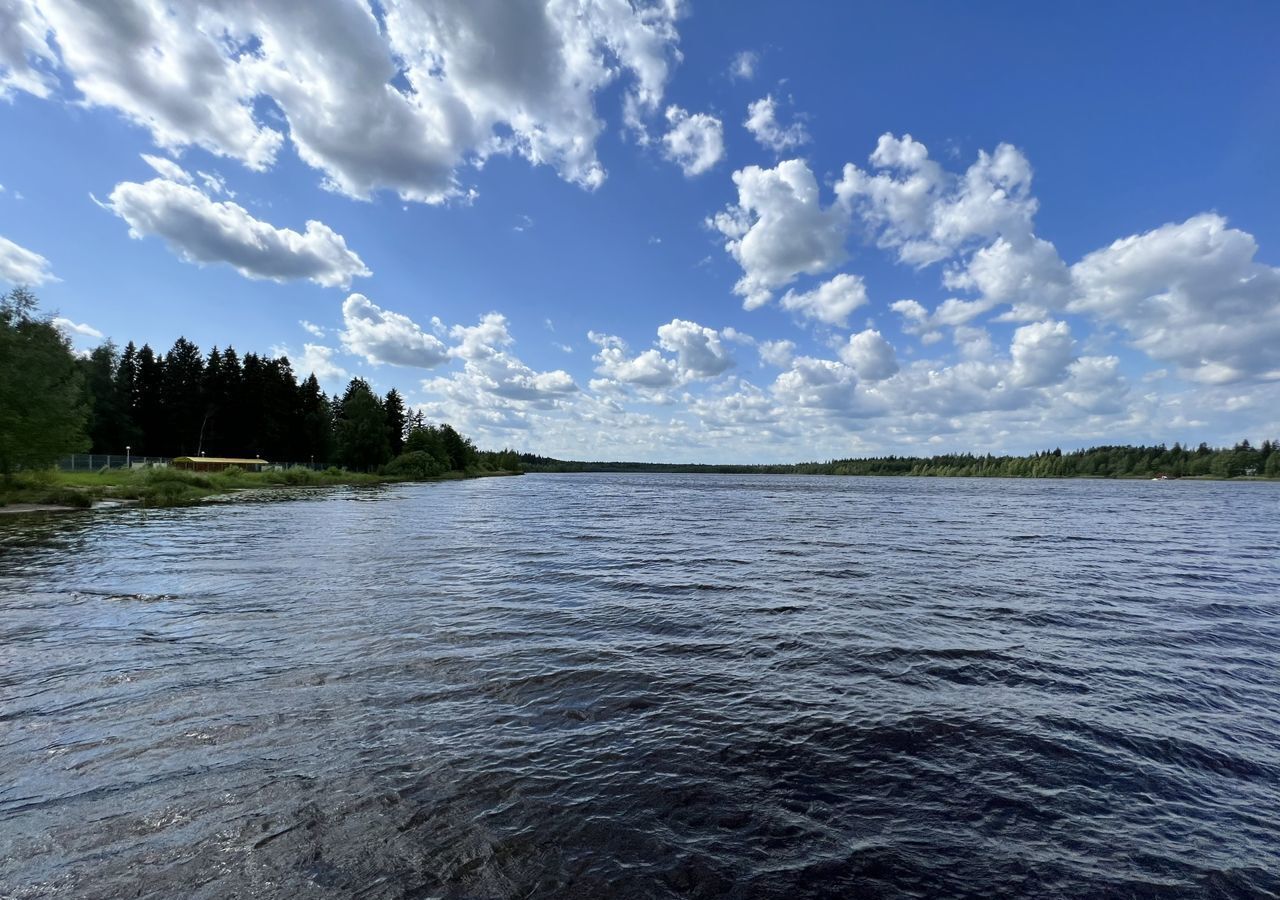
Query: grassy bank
[(173, 487)]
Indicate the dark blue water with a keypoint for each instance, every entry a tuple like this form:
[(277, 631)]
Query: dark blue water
[(648, 686)]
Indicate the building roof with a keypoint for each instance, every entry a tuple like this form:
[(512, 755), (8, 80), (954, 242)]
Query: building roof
[(225, 460)]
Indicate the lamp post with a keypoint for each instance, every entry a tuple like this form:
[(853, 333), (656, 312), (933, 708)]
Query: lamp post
[(128, 453)]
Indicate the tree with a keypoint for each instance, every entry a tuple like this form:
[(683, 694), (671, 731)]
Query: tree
[(461, 452), (42, 408), (362, 428), (110, 425), (317, 422), (393, 406), (181, 399), (148, 404)]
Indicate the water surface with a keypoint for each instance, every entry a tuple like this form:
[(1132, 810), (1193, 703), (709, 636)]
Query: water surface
[(599, 686)]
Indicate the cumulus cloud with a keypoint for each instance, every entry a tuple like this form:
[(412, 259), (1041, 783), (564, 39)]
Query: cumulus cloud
[(382, 336), (398, 100), (1041, 354), (830, 302), (18, 265), (910, 204), (202, 230), (870, 355), (493, 378), (647, 369), (762, 122), (315, 359), (1190, 294), (694, 142), (777, 353), (311, 328), (699, 352), (779, 229), (824, 385)]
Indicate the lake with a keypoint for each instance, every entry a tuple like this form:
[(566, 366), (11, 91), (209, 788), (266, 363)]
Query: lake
[(599, 686)]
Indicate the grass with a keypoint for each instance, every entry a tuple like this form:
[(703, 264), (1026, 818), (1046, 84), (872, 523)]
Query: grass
[(171, 487)]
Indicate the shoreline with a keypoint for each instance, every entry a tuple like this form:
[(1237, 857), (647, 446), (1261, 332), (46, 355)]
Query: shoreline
[(99, 492)]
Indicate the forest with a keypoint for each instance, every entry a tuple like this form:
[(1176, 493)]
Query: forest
[(183, 402), (1241, 460)]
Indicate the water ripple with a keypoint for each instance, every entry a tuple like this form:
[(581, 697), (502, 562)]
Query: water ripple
[(648, 686)]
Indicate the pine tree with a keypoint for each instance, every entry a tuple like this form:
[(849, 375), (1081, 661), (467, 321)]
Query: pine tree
[(317, 422), (393, 406), (110, 425), (182, 400), (149, 415)]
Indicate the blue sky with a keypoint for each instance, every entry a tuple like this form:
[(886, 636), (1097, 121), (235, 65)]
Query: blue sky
[(675, 231)]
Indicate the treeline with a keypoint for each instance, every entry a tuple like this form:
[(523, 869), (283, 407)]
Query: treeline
[(1242, 460), (186, 403)]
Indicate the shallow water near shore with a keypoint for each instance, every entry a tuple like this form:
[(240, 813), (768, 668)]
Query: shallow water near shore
[(648, 686)]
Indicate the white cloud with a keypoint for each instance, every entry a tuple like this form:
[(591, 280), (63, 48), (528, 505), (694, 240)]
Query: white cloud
[(1028, 274), (26, 56), (648, 369), (383, 336), (778, 229), (397, 102), (830, 302), (777, 353), (18, 265), (762, 122), (1189, 294), (214, 184), (318, 359), (495, 380), (824, 385), (743, 65), (69, 328), (1041, 354), (202, 230), (913, 206), (699, 352), (167, 168), (694, 142), (870, 355), (311, 328)]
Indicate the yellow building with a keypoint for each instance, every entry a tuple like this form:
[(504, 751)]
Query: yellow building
[(217, 463)]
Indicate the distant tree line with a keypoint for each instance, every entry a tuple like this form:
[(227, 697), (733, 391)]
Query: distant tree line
[(186, 403), (1099, 462)]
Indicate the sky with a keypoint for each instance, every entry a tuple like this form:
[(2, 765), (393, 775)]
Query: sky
[(674, 231)]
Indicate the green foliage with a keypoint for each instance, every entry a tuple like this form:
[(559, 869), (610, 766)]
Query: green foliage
[(1095, 462), (415, 464), (393, 409), (42, 409), (362, 441)]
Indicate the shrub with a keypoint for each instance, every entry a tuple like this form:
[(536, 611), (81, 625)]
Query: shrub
[(415, 464), (164, 475)]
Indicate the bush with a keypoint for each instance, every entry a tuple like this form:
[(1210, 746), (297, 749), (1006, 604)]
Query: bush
[(165, 475), (415, 464), (295, 475), (68, 497)]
